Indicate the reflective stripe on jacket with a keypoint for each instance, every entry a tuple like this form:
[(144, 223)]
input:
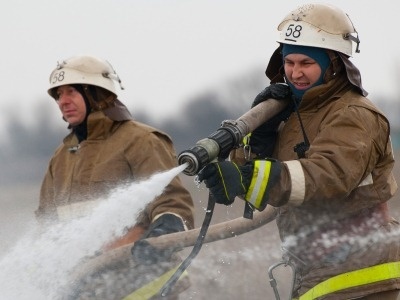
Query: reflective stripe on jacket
[(353, 279)]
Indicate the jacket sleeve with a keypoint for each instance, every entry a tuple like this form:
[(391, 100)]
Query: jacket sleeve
[(348, 153), (157, 154)]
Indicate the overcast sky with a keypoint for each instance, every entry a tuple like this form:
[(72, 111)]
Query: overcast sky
[(166, 51)]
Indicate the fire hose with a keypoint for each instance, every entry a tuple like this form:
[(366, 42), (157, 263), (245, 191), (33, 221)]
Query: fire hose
[(217, 147)]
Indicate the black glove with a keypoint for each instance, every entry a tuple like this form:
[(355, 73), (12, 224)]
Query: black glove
[(277, 91), (146, 254), (226, 180), (263, 138)]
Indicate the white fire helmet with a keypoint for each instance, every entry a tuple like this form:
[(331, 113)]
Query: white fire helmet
[(84, 70), (319, 25)]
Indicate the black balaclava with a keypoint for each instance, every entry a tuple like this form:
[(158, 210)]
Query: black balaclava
[(81, 129)]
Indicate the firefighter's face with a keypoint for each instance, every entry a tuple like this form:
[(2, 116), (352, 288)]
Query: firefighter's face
[(71, 104), (301, 71)]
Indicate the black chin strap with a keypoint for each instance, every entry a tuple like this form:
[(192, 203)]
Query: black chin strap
[(196, 248)]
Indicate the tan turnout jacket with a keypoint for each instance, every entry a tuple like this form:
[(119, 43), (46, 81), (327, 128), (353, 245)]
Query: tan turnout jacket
[(114, 152), (333, 215)]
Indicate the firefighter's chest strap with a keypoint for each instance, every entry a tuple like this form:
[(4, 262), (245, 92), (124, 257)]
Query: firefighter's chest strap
[(353, 279)]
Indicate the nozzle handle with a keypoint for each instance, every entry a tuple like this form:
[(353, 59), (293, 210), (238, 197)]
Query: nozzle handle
[(228, 136)]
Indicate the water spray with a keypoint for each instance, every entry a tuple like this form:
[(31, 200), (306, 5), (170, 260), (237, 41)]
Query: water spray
[(53, 264)]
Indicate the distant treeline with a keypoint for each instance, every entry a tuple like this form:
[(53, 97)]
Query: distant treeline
[(25, 153)]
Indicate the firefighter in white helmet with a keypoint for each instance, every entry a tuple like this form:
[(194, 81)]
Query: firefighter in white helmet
[(325, 163), (104, 149)]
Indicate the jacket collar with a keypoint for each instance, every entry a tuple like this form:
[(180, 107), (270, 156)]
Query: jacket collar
[(319, 96), (99, 127)]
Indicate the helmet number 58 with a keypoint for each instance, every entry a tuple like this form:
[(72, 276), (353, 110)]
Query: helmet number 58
[(294, 31), (58, 77)]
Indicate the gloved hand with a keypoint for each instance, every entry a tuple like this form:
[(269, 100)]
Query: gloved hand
[(226, 180), (263, 138), (277, 91), (144, 253)]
